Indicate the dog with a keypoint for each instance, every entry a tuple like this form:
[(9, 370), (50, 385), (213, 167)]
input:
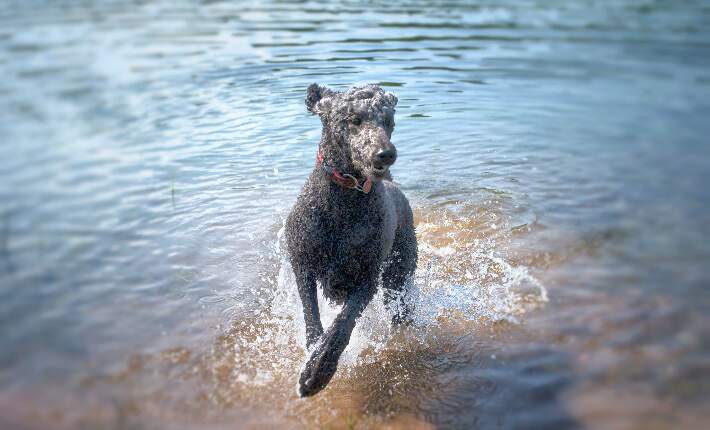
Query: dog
[(351, 229)]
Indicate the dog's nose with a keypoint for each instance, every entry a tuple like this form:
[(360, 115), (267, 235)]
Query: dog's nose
[(387, 156)]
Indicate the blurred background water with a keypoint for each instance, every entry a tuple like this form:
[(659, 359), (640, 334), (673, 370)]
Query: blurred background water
[(556, 154)]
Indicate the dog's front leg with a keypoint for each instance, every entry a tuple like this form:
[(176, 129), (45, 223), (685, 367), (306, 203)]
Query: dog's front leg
[(309, 299), (323, 362)]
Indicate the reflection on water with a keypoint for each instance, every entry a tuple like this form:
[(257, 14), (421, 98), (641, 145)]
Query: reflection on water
[(555, 154)]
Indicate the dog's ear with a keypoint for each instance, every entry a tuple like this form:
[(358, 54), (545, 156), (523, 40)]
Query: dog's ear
[(317, 98)]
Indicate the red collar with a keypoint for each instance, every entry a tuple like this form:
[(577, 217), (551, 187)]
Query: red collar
[(343, 179)]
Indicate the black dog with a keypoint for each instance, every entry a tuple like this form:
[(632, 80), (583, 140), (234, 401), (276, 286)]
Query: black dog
[(350, 225)]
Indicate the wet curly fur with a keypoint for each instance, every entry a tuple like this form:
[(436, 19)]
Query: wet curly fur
[(348, 241)]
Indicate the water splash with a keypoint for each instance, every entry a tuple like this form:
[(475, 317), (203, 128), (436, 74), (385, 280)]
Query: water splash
[(463, 276)]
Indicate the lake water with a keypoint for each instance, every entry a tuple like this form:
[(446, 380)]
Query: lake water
[(556, 155)]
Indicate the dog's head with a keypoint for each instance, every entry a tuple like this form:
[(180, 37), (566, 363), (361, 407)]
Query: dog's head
[(357, 127)]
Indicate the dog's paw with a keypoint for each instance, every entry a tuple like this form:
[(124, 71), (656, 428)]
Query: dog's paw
[(318, 370)]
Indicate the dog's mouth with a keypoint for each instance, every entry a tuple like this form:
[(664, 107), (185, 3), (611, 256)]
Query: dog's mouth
[(379, 172)]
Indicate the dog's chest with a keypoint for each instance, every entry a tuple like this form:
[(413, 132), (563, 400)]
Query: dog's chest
[(351, 246)]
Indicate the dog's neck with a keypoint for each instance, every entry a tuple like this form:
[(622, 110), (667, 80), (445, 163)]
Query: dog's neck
[(331, 154), (345, 180), (334, 193)]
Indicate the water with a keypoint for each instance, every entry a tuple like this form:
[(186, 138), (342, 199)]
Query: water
[(555, 153)]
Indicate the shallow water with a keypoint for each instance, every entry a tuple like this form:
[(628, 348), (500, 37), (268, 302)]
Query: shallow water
[(555, 153)]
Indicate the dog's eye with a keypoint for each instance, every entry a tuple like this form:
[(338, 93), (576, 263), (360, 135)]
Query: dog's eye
[(356, 120)]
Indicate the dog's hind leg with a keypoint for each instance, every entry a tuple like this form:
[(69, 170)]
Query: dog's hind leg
[(323, 362), (398, 274)]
